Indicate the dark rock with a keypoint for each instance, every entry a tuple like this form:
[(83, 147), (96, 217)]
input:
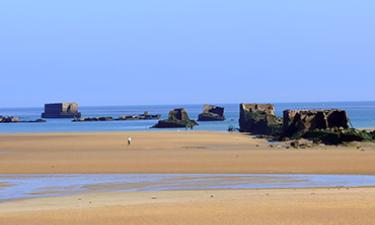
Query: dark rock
[(12, 119), (301, 143), (61, 110), (171, 124), (177, 118), (34, 121), (105, 118), (338, 136), (299, 122), (328, 126), (212, 113), (144, 116), (9, 119), (93, 119), (349, 135), (259, 119), (178, 114), (231, 128)]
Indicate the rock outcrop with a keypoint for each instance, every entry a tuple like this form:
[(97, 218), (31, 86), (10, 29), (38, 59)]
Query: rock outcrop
[(335, 136), (9, 119), (212, 113), (144, 116), (12, 119), (61, 110), (37, 121), (301, 143), (93, 119), (299, 122), (259, 119), (177, 118), (328, 126)]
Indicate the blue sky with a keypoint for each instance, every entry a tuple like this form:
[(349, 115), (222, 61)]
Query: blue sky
[(188, 51)]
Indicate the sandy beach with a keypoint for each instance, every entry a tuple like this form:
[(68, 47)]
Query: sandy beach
[(173, 152), (185, 152), (258, 207)]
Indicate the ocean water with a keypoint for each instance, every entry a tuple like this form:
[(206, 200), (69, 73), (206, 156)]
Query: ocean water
[(362, 115)]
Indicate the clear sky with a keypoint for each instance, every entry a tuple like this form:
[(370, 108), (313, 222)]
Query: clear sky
[(118, 52)]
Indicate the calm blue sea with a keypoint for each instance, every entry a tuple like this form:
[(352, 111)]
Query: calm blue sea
[(362, 115)]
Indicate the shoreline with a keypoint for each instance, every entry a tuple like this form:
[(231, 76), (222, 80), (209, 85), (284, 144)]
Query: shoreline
[(149, 130)]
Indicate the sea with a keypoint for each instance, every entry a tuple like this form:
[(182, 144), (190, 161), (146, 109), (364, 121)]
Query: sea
[(361, 114)]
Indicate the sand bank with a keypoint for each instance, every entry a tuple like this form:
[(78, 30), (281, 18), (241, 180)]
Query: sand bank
[(263, 207), (172, 152)]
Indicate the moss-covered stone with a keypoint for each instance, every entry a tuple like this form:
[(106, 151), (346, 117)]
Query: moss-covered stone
[(296, 123), (212, 113), (259, 119), (177, 118), (328, 126), (339, 136), (373, 134)]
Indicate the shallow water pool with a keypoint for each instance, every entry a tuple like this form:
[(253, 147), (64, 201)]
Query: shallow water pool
[(43, 185)]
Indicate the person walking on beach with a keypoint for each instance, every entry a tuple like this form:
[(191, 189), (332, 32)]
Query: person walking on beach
[(129, 141)]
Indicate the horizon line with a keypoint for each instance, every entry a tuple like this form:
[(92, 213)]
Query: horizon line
[(189, 104)]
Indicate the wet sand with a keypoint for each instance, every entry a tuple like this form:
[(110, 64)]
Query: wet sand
[(225, 207), (55, 185), (173, 152), (4, 185)]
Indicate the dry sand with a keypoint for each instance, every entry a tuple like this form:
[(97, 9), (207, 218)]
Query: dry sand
[(173, 152), (185, 152), (229, 207)]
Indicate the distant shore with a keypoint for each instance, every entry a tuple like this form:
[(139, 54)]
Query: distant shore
[(174, 152)]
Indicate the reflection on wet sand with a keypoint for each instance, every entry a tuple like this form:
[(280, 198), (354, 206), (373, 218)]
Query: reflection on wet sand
[(46, 185)]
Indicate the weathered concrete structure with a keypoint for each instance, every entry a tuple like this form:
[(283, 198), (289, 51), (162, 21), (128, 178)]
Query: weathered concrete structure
[(176, 118), (298, 122), (259, 119), (328, 126), (61, 110), (212, 113)]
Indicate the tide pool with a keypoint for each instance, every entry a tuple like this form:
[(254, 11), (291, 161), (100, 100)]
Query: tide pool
[(44, 185)]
